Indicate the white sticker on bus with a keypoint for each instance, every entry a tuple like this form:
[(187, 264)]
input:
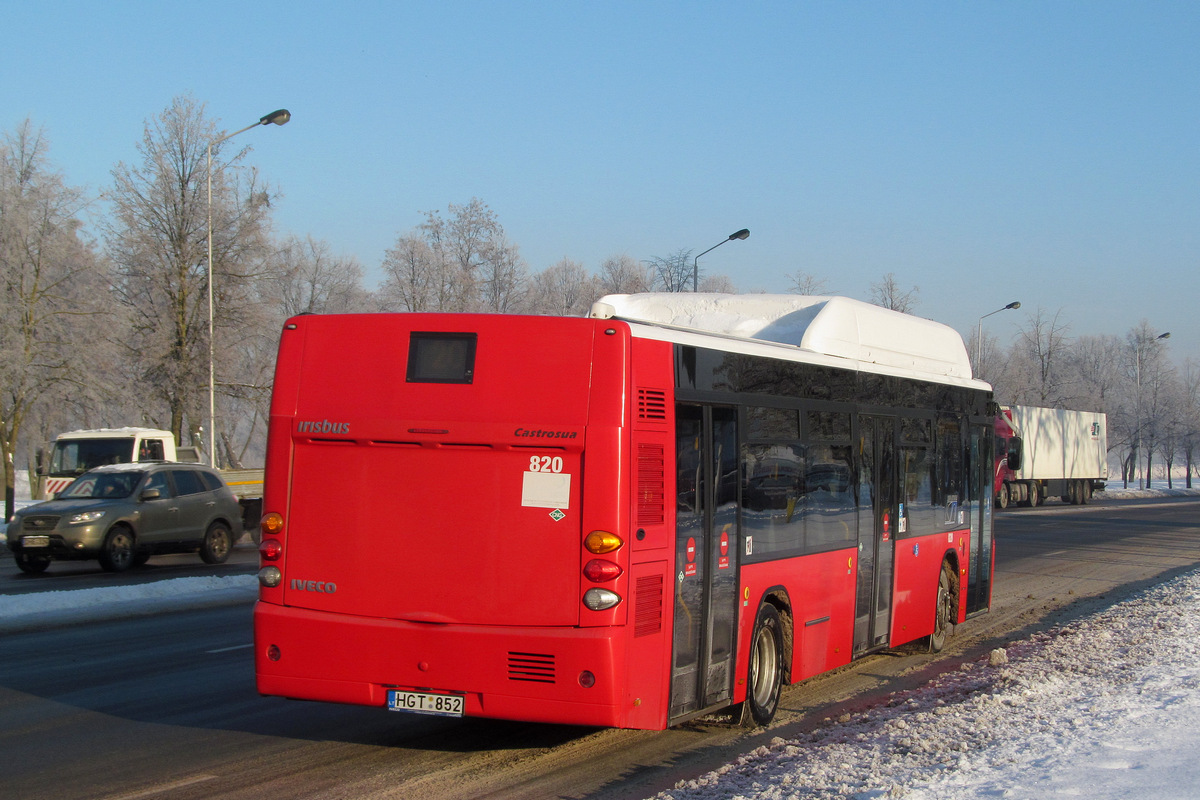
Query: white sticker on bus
[(546, 490)]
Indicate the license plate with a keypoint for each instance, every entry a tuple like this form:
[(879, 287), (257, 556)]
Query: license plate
[(442, 705), (35, 541)]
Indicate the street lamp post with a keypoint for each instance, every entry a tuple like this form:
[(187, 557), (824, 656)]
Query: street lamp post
[(979, 331), (744, 233), (1137, 363), (279, 117)]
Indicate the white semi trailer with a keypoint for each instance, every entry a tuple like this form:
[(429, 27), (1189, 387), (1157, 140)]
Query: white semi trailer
[(1049, 452)]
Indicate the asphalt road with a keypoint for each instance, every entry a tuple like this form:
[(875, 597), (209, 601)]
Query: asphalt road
[(166, 707)]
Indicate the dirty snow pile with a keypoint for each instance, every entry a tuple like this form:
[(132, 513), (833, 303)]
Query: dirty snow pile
[(19, 612), (1105, 707)]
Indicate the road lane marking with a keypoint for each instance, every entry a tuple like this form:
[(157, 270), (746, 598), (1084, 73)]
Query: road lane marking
[(227, 649), (162, 788)]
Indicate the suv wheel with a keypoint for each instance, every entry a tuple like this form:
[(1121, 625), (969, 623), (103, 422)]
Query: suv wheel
[(117, 553), (32, 565), (217, 544)]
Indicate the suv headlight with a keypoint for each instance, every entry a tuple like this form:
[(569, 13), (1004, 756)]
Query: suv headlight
[(84, 518)]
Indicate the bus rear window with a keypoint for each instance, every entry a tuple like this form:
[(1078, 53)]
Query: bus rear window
[(441, 358)]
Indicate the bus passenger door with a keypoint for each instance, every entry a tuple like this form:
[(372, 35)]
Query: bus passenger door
[(705, 558), (877, 520), (979, 491)]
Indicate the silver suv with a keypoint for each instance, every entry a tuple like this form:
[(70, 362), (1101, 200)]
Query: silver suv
[(122, 514)]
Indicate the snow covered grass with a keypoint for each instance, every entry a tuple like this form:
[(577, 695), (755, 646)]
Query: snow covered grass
[(1105, 707)]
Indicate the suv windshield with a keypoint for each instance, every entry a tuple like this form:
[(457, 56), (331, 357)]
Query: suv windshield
[(103, 485)]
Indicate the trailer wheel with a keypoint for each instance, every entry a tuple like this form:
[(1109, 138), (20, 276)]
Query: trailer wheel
[(1035, 498), (945, 610), (1071, 493), (1085, 492), (765, 680)]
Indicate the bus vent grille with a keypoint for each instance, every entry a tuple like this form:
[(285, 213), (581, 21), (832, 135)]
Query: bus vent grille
[(534, 667), (652, 405), (647, 605), (650, 484)]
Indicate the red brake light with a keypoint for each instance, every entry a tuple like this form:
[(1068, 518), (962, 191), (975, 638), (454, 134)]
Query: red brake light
[(270, 549), (598, 570)]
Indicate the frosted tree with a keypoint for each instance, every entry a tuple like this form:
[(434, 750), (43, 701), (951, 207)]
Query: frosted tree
[(157, 241), (51, 339), (889, 294)]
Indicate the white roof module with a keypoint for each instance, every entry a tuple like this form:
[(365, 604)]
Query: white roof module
[(877, 339)]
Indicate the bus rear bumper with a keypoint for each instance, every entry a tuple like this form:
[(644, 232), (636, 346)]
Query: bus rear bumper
[(555, 675)]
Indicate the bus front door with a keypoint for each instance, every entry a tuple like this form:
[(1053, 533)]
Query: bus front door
[(705, 558), (877, 521)]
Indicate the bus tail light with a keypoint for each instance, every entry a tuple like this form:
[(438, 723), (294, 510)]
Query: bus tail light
[(270, 577), (600, 542), (270, 549), (271, 524), (600, 599), (598, 570)]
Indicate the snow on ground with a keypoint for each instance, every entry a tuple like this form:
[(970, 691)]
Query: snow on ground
[(1105, 708), (20, 612)]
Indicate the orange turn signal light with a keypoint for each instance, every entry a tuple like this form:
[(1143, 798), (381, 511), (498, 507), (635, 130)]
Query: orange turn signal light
[(599, 542)]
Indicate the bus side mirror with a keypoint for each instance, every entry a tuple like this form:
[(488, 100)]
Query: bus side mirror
[(1014, 453)]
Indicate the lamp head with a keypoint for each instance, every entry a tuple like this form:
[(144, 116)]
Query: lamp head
[(744, 233), (279, 117)]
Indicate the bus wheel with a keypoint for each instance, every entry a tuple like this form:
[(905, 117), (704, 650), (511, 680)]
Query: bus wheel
[(766, 668), (944, 611), (1002, 496)]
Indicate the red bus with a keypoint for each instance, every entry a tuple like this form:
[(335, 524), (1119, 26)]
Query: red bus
[(672, 507)]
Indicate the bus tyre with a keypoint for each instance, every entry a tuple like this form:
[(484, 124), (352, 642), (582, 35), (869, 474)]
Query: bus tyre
[(217, 544), (117, 552), (765, 673), (944, 610)]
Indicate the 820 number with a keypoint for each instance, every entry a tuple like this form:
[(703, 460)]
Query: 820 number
[(545, 464)]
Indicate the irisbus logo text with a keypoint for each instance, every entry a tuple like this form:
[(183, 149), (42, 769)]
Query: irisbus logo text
[(324, 426)]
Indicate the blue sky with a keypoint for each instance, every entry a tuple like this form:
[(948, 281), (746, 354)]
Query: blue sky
[(1047, 152)]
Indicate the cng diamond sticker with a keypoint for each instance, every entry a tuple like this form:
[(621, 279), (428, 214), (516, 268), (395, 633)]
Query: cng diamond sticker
[(557, 515)]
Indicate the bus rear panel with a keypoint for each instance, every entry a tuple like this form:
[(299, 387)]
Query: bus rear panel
[(436, 478)]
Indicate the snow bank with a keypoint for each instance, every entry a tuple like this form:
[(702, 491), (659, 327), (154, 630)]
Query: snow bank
[(20, 612), (1103, 708)]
